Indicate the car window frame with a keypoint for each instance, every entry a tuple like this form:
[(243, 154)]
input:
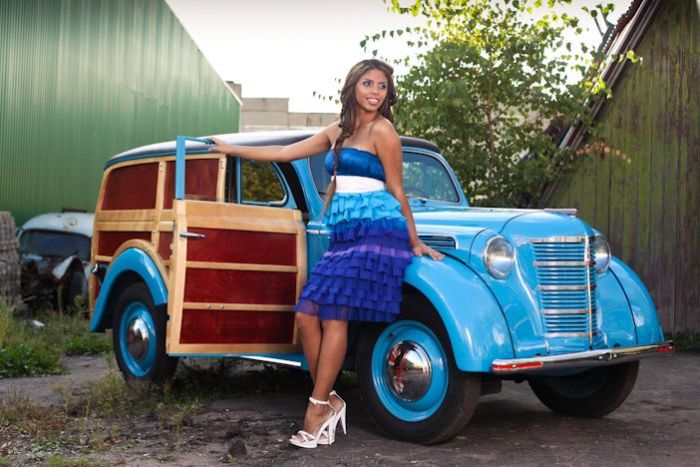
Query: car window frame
[(236, 174)]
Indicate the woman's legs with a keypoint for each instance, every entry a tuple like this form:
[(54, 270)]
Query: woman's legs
[(325, 344), (333, 346), (309, 327)]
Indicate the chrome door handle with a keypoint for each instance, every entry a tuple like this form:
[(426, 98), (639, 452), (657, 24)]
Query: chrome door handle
[(185, 234)]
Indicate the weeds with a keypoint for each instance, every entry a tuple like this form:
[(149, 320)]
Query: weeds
[(31, 349), (6, 322), (29, 428), (687, 339)]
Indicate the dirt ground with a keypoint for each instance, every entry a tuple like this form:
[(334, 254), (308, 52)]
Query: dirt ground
[(658, 424)]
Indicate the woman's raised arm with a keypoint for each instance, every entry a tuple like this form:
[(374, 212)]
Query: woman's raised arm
[(318, 143)]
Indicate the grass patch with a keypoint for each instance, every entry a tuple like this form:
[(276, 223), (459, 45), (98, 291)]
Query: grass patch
[(687, 339), (28, 360), (33, 345)]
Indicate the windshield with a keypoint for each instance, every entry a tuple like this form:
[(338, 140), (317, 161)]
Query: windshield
[(424, 177), (49, 243)]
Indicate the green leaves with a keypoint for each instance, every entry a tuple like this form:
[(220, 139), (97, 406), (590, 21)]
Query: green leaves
[(489, 83)]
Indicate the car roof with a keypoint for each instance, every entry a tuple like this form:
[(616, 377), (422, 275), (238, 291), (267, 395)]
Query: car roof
[(258, 138), (72, 222)]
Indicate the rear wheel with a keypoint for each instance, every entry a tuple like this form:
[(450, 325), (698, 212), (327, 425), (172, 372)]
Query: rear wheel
[(409, 381), (139, 337), (593, 393)]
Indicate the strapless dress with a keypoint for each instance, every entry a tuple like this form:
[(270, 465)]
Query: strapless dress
[(359, 277)]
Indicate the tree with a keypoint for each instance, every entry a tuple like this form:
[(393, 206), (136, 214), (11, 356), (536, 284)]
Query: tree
[(490, 83)]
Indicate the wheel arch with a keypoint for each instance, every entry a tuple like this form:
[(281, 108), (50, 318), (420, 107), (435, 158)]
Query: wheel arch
[(474, 321), (131, 265)]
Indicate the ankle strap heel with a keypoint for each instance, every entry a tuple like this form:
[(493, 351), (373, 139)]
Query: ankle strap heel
[(319, 402)]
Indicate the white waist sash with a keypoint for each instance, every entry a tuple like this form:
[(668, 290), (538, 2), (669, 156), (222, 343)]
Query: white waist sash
[(355, 184)]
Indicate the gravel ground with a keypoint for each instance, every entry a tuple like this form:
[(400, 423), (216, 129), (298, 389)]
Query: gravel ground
[(658, 424)]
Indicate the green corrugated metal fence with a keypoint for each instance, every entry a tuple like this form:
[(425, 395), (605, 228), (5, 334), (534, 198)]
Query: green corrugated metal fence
[(81, 80), (650, 209)]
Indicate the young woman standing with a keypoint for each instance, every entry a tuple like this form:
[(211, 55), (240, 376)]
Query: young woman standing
[(373, 235)]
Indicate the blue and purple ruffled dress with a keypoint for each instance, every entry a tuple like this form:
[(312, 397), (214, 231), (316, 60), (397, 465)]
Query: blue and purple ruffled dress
[(359, 278)]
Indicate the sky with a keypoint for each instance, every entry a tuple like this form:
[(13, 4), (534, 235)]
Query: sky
[(293, 48)]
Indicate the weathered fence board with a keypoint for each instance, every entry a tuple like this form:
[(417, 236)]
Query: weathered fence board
[(650, 209)]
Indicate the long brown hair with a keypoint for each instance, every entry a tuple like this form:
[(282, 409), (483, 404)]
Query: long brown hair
[(348, 111)]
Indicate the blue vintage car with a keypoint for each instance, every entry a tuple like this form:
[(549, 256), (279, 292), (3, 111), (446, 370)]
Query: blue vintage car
[(201, 254)]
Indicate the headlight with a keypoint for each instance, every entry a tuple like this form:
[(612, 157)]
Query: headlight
[(499, 257), (601, 253)]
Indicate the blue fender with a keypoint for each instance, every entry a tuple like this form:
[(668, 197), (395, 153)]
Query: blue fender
[(641, 305), (473, 319), (131, 260)]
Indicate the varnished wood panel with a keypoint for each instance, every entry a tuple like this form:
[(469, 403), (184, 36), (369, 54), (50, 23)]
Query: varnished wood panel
[(243, 247), (131, 187), (234, 327), (216, 286), (165, 245), (109, 242)]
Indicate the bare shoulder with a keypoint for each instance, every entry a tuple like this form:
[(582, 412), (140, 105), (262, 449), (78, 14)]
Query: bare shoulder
[(383, 127), (332, 132), (384, 134)]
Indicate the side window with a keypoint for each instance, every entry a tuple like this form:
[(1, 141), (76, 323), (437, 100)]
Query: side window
[(426, 177), (260, 183)]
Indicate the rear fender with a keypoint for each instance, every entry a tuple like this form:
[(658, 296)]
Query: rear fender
[(133, 264), (473, 319)]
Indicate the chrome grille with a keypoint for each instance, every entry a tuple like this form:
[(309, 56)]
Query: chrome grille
[(566, 284), (442, 242)]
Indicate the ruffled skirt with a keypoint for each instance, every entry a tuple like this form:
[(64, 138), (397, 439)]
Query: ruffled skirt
[(359, 278)]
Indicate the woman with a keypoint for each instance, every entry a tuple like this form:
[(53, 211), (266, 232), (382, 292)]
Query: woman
[(373, 235)]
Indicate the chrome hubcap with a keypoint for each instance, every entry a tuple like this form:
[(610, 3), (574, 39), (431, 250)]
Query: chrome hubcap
[(408, 370), (137, 338)]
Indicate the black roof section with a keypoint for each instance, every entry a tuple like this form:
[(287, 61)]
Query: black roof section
[(261, 138)]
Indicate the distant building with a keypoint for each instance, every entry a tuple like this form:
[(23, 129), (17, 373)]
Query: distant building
[(649, 209), (272, 113), (83, 80)]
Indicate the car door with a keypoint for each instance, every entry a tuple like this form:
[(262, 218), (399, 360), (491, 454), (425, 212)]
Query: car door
[(237, 269)]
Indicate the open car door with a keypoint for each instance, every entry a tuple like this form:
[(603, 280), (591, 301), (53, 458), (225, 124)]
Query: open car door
[(235, 274)]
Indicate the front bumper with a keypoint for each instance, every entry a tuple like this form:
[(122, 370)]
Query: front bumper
[(588, 359)]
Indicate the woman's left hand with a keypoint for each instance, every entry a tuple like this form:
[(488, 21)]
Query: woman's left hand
[(421, 249)]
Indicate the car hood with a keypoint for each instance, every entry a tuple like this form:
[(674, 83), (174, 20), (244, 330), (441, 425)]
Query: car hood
[(464, 224), (484, 218)]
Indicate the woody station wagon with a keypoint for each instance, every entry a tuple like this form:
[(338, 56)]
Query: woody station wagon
[(201, 254)]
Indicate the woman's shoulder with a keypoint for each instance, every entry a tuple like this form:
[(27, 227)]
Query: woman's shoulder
[(332, 132), (383, 131), (383, 128)]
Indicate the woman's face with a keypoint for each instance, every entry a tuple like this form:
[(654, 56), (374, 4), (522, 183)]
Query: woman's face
[(371, 90)]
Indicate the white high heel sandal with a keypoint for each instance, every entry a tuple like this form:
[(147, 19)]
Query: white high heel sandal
[(311, 441), (329, 438), (341, 412)]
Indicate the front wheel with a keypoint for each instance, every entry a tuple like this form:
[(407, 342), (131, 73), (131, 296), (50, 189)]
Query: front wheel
[(593, 393), (409, 381), (139, 337)]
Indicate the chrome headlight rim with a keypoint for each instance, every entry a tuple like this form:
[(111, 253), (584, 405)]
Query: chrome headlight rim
[(601, 253), (499, 269)]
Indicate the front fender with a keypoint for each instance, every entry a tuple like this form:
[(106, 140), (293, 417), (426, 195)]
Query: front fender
[(641, 305), (474, 322), (130, 261)]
